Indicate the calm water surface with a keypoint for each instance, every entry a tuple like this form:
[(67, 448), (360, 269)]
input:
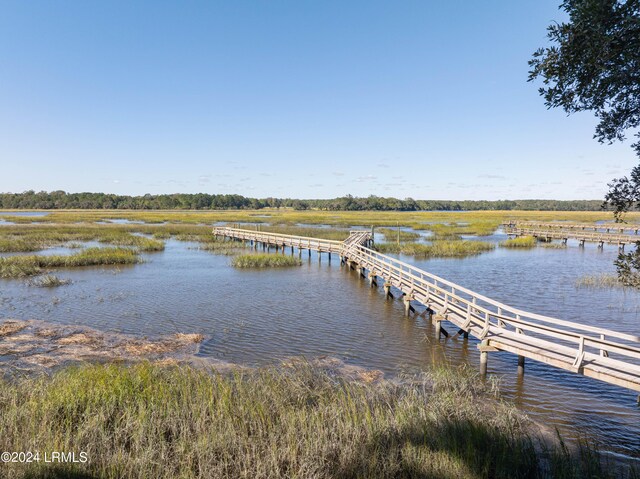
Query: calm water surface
[(258, 317)]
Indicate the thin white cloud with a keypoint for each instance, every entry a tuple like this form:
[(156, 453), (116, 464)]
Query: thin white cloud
[(360, 179)]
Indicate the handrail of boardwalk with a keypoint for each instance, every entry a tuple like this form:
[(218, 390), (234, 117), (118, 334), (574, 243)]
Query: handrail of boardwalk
[(422, 278), (278, 239), (580, 348), (358, 236), (597, 352)]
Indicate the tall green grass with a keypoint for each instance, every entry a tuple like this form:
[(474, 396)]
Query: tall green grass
[(264, 261), (520, 242), (22, 266), (146, 421), (437, 249)]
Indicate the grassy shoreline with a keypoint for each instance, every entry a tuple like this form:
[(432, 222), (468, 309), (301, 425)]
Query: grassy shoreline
[(151, 421)]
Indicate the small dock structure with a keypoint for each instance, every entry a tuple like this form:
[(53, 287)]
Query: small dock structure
[(459, 313)]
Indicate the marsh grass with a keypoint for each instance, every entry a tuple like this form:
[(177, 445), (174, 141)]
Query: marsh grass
[(453, 230), (391, 235), (219, 246), (139, 242), (469, 222), (22, 266), (151, 421), (437, 249), (261, 260), (602, 281), (29, 238), (60, 226), (520, 242), (49, 281), (16, 245)]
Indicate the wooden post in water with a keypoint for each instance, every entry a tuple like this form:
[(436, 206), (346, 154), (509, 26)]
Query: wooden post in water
[(387, 290), (372, 279), (406, 299), (483, 362), (484, 355), (436, 320), (520, 365)]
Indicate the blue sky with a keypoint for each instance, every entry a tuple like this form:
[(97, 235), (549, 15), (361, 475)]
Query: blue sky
[(303, 99)]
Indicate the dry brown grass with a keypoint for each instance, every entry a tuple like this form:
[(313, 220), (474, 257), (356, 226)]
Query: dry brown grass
[(11, 327)]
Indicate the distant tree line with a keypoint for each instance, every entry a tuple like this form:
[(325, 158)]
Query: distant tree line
[(203, 201)]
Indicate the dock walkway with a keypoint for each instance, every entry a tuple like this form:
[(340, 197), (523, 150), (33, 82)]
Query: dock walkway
[(599, 353)]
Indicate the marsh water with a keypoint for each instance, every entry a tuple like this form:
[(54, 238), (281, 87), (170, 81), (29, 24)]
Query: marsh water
[(258, 317)]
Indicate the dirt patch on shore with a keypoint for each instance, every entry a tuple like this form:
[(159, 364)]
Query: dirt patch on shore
[(32, 344), (35, 345)]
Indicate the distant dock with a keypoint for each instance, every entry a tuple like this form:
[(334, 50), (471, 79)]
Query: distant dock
[(607, 233)]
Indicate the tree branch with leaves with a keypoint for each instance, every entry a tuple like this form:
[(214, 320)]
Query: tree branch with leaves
[(593, 64)]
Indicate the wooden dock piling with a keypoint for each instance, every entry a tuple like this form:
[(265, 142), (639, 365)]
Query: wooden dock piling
[(520, 365)]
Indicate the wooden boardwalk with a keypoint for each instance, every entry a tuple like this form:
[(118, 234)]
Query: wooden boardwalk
[(595, 352), (621, 228), (590, 233)]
